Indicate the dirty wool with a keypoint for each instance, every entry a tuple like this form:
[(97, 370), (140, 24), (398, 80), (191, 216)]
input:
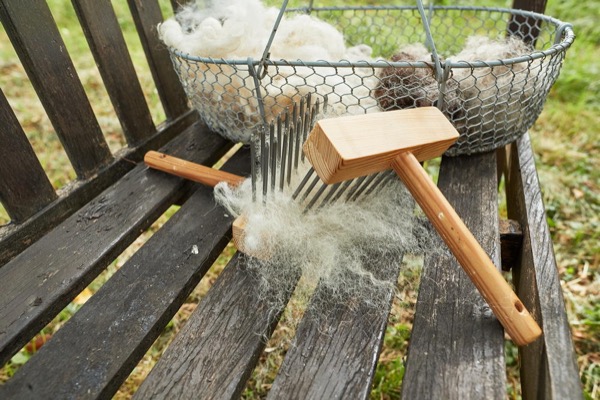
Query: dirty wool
[(486, 102)]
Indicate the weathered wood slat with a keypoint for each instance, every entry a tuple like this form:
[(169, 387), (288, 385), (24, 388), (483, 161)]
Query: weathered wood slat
[(213, 356), (456, 349), (96, 350), (548, 366), (526, 28), (511, 239), (15, 238), (24, 186), (337, 344), (147, 15), (51, 272), (106, 41), (55, 80)]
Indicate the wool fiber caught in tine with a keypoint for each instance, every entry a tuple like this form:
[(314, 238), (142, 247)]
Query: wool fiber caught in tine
[(333, 245)]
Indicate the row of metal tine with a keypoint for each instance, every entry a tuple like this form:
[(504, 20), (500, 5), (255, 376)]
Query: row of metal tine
[(276, 154)]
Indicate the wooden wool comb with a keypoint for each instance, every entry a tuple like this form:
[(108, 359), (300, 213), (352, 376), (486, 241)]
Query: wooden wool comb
[(348, 147)]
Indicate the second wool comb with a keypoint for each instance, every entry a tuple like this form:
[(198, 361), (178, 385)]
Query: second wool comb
[(278, 164)]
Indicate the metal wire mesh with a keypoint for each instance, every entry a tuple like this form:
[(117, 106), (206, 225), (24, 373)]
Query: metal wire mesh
[(491, 102)]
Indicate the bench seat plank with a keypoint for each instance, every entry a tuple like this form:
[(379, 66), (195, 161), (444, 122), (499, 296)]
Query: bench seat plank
[(337, 345), (55, 80), (548, 366), (456, 347), (24, 186), (56, 268), (214, 354), (93, 353)]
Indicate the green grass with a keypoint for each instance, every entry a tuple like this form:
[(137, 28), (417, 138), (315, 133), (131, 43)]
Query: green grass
[(565, 140)]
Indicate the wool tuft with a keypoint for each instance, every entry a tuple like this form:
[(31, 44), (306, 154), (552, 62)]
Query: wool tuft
[(239, 29), (348, 247), (482, 102)]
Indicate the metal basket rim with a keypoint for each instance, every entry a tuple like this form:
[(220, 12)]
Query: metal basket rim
[(563, 28)]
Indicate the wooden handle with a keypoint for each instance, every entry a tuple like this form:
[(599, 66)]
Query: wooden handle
[(505, 304), (189, 170)]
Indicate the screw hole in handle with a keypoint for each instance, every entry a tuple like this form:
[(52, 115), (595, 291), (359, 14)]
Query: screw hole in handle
[(519, 306)]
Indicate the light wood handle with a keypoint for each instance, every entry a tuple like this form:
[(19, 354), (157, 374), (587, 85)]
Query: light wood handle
[(505, 304), (189, 170)]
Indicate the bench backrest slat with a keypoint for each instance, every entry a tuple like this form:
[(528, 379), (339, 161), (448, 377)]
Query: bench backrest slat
[(526, 28), (37, 41), (147, 16), (24, 186), (104, 35)]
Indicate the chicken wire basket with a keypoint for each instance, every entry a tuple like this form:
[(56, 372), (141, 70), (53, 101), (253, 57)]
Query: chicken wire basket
[(395, 57)]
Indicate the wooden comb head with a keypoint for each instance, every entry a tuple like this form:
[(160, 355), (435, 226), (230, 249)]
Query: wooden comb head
[(343, 148)]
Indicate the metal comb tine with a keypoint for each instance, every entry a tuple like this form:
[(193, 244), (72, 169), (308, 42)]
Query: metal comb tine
[(315, 198), (342, 189), (291, 140), (282, 172), (265, 173), (303, 183), (253, 165), (273, 156), (265, 168), (390, 178), (306, 122), (354, 188), (362, 188), (279, 134), (298, 131), (310, 188), (332, 189), (380, 178)]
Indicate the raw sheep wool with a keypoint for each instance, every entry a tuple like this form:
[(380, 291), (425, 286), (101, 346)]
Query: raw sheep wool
[(350, 248), (484, 102), (239, 29)]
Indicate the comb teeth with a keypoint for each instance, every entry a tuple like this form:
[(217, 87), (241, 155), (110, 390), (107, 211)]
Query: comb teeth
[(276, 154)]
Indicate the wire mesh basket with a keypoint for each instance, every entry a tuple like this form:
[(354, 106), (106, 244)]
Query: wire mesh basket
[(398, 57)]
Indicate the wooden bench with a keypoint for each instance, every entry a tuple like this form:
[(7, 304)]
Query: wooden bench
[(57, 243)]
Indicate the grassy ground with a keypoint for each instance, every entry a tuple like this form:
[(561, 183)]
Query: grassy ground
[(565, 139)]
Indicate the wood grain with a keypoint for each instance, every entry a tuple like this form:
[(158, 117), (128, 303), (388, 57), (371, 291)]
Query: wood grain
[(147, 15), (15, 238), (42, 53), (193, 171), (103, 33), (549, 369), (24, 186), (342, 148), (337, 344), (505, 304), (96, 349), (51, 272), (456, 348), (214, 354)]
